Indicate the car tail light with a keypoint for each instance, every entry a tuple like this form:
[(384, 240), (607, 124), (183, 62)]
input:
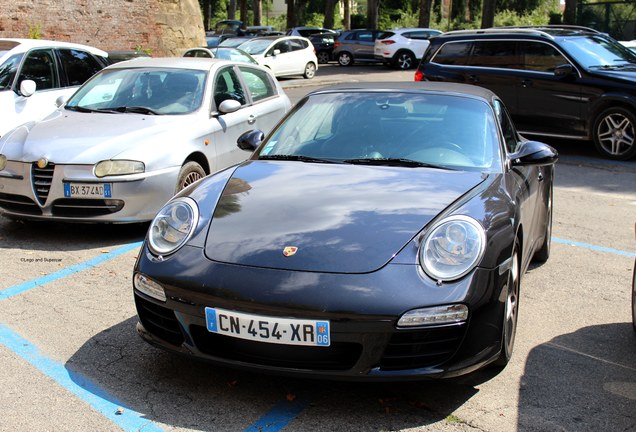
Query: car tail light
[(419, 75), (336, 44), (387, 42)]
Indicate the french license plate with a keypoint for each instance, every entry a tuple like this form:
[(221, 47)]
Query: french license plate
[(268, 329), (87, 190)]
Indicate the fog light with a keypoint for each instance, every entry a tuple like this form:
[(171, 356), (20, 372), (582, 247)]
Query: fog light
[(450, 314), (149, 287)]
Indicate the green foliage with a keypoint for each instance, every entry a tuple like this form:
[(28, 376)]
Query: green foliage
[(140, 48), (35, 31)]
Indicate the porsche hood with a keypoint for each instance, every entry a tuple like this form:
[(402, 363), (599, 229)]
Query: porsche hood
[(323, 218)]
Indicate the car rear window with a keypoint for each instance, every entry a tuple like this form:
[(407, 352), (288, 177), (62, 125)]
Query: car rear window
[(385, 35)]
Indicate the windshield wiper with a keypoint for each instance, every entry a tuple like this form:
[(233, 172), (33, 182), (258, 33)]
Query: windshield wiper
[(79, 109), (300, 158), (395, 162), (135, 109)]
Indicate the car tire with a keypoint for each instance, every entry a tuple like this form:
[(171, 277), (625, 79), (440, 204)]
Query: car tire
[(190, 172), (310, 70), (345, 59), (323, 57), (404, 60), (511, 309), (543, 253), (614, 133)]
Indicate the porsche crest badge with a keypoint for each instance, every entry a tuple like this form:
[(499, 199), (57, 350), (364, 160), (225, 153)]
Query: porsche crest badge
[(289, 251)]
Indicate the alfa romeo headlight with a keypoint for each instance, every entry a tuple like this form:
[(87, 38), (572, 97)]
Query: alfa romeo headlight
[(452, 248), (3, 162), (118, 167), (173, 226)]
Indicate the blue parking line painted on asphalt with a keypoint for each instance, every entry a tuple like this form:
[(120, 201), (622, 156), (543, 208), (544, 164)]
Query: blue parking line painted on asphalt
[(594, 247), (77, 384), (279, 416), (18, 289)]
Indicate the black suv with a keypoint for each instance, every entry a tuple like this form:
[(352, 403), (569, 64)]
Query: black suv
[(560, 81)]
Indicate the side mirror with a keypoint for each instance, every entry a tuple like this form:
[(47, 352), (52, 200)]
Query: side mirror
[(563, 70), (61, 100), (533, 153), (229, 106), (276, 52), (250, 140), (27, 88)]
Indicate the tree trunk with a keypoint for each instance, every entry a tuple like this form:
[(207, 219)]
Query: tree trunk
[(291, 15), (231, 9), (488, 14), (346, 19), (425, 14), (243, 11), (373, 7), (330, 6), (257, 5), (569, 14)]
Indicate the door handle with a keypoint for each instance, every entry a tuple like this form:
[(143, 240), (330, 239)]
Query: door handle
[(540, 177), (251, 120), (525, 83)]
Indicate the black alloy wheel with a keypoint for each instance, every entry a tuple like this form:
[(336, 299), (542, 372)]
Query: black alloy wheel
[(404, 60), (345, 59)]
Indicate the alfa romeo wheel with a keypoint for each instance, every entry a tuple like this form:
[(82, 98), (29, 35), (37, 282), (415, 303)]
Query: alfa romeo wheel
[(615, 133), (323, 57), (345, 59), (190, 173)]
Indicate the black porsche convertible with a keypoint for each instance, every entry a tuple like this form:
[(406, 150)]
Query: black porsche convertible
[(379, 232)]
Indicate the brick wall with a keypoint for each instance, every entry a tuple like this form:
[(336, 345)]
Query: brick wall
[(166, 27)]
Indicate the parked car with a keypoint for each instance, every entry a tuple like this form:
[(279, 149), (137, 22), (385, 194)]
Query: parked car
[(235, 42), (214, 40), (226, 53), (134, 135), (121, 55), (284, 55), (323, 44), (567, 82), (403, 48), (309, 31), (34, 73), (355, 46), (380, 232)]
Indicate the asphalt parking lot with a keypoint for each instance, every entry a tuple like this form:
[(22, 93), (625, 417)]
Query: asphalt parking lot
[(72, 359)]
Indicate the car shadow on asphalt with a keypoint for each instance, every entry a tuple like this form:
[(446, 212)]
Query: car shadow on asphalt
[(583, 381), (59, 236), (187, 393)]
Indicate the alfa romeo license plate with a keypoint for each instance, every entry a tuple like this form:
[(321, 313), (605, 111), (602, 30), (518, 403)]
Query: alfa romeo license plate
[(285, 331), (87, 190)]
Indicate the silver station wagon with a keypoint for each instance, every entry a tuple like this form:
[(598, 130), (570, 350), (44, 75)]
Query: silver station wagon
[(134, 135)]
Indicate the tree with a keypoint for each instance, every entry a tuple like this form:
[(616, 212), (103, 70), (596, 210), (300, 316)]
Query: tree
[(291, 14), (488, 14), (373, 13), (330, 6), (425, 13), (569, 14), (346, 21), (257, 6)]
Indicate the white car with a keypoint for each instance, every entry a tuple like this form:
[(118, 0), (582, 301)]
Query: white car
[(34, 73), (401, 48), (284, 55), (629, 44), (134, 135)]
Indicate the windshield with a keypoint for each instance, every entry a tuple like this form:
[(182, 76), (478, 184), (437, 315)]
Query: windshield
[(255, 46), (407, 129), (597, 51), (8, 70), (156, 91)]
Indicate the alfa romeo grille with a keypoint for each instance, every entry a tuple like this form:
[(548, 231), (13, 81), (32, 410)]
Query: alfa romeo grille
[(42, 179)]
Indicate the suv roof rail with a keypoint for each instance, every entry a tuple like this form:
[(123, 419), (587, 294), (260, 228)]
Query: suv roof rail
[(535, 30)]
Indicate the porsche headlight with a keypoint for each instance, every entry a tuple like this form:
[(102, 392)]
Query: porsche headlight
[(173, 226), (3, 162), (118, 167), (452, 248)]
